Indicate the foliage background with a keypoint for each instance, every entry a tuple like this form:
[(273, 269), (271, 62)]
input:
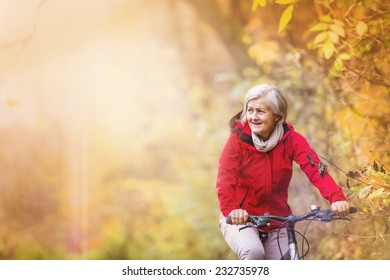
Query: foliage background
[(114, 113)]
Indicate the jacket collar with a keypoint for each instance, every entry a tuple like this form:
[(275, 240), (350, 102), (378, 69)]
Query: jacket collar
[(246, 132)]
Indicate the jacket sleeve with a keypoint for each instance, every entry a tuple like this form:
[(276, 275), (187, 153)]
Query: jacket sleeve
[(228, 172), (315, 170)]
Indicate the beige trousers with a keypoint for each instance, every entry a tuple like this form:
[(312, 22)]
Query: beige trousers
[(246, 244)]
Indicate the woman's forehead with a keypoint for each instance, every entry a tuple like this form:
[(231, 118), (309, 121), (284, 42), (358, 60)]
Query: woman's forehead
[(260, 102)]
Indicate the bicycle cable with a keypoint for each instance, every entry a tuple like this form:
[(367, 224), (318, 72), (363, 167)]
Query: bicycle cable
[(304, 239), (307, 242)]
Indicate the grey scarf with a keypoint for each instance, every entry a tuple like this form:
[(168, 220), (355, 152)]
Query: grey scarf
[(268, 145)]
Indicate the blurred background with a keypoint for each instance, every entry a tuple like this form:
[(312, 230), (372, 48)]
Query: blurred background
[(113, 115)]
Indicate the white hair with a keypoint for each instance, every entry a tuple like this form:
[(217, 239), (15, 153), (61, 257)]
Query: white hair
[(276, 101)]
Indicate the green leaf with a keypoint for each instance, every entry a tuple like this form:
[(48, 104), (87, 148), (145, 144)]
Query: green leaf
[(361, 28), (339, 30), (286, 17), (321, 37), (328, 48), (286, 2)]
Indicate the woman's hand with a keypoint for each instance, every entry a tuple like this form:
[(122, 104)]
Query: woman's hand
[(341, 208), (239, 216)]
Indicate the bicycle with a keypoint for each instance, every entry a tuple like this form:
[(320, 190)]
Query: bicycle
[(289, 223)]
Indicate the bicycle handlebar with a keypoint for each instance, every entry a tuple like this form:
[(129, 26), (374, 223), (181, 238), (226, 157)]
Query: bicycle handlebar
[(321, 215)]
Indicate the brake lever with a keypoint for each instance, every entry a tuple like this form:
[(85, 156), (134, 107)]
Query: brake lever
[(256, 223), (250, 226), (325, 216), (329, 216)]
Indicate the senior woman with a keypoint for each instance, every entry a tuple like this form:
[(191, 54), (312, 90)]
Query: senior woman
[(255, 170)]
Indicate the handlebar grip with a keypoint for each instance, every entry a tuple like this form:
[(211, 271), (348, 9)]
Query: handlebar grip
[(352, 209), (229, 220)]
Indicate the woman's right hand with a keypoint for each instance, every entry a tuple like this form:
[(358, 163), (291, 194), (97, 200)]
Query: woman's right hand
[(239, 216)]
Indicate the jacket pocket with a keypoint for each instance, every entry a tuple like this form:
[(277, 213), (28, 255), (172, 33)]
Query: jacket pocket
[(242, 201)]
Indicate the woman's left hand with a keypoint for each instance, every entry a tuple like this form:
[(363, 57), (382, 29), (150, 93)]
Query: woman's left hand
[(341, 208)]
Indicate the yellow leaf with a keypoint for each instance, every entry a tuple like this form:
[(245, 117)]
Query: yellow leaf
[(345, 56), (320, 26), (256, 3), (262, 3), (338, 22), (11, 103), (337, 66), (339, 30), (326, 18), (321, 37), (328, 48), (334, 37), (286, 17), (361, 28), (285, 2)]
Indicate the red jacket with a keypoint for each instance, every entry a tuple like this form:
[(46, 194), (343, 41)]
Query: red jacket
[(258, 182)]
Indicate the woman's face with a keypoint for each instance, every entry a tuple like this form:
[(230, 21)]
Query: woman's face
[(260, 118)]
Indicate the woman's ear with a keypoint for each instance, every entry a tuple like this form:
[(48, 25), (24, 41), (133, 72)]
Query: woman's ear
[(277, 118)]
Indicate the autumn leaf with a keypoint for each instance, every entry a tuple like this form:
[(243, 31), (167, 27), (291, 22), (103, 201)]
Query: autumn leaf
[(320, 37), (334, 37), (328, 48), (338, 22), (353, 174), (286, 2), (361, 28), (257, 3), (375, 166), (339, 30), (365, 192), (322, 26), (378, 193), (286, 17), (345, 56), (326, 18), (337, 65)]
